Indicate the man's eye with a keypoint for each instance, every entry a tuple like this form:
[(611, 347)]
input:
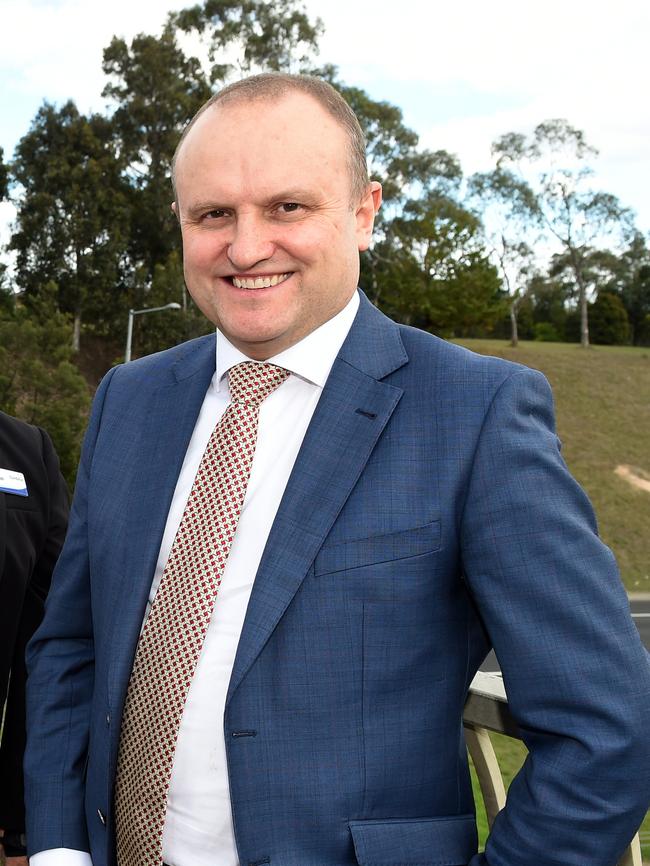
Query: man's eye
[(214, 214), (289, 207)]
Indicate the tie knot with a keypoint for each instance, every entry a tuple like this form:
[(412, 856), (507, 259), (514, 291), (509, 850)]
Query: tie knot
[(251, 382)]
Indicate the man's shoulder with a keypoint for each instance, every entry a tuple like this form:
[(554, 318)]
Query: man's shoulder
[(17, 434), (180, 361), (454, 362)]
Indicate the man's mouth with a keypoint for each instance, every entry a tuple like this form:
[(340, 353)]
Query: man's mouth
[(265, 282)]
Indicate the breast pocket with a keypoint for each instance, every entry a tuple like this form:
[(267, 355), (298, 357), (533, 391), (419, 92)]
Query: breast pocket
[(20, 503), (375, 549)]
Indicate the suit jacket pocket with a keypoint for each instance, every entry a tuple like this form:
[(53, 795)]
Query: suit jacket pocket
[(448, 841), (344, 555), (20, 503)]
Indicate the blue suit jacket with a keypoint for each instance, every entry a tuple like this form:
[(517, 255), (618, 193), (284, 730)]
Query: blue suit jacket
[(429, 515)]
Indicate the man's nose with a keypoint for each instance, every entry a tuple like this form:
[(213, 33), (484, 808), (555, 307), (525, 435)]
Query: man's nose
[(251, 242)]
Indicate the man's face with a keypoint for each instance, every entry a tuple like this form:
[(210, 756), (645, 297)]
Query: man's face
[(271, 235)]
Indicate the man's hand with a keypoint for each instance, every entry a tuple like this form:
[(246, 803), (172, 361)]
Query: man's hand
[(20, 860)]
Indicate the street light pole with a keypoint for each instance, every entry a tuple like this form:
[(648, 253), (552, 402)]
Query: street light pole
[(129, 328)]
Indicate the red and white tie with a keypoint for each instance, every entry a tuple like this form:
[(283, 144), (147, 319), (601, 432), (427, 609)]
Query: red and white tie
[(173, 634)]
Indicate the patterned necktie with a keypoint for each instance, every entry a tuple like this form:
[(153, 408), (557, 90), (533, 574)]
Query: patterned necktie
[(173, 634)]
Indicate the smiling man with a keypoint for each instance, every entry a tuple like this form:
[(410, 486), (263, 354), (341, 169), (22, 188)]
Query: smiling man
[(292, 547)]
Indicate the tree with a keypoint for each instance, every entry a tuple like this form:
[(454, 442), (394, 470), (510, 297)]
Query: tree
[(573, 214), (549, 298), (609, 322), (155, 89), (4, 177), (72, 216), (277, 36), (511, 215), (629, 278), (38, 381), (457, 291)]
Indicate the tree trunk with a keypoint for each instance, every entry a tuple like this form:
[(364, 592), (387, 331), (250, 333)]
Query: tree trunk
[(514, 334), (584, 317), (576, 264), (76, 332)]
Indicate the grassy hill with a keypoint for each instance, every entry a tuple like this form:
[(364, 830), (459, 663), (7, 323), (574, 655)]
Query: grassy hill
[(602, 397)]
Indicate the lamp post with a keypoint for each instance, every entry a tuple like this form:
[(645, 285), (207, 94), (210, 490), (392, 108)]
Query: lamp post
[(129, 330)]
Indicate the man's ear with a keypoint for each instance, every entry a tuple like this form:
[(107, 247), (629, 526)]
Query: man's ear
[(365, 214), (174, 208)]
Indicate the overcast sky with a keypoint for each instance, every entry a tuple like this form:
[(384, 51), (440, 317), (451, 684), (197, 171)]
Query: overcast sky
[(463, 74)]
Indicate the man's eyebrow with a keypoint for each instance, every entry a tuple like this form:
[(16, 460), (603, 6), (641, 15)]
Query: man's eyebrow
[(200, 207)]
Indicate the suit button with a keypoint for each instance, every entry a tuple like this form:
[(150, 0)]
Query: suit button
[(108, 718), (101, 817)]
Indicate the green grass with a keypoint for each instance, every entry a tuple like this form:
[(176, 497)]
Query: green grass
[(602, 397), (510, 754)]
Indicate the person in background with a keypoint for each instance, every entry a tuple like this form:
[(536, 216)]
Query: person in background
[(33, 518)]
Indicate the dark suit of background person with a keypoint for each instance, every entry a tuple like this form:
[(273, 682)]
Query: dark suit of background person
[(32, 530), (428, 516)]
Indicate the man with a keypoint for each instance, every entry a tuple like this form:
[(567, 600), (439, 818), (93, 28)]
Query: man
[(33, 516), (264, 659)]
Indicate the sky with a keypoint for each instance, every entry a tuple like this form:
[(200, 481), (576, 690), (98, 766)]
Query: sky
[(463, 74)]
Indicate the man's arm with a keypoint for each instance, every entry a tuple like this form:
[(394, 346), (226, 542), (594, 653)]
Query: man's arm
[(576, 674), (53, 506), (60, 661)]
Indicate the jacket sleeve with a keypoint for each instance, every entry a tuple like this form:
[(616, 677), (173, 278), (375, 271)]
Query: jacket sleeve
[(60, 662), (48, 542), (575, 671)]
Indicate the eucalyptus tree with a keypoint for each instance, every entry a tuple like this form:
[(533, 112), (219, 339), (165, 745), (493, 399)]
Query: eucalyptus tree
[(554, 162), (511, 219), (4, 176), (72, 216), (244, 36), (629, 278)]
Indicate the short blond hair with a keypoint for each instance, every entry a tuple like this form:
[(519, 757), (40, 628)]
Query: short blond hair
[(275, 85)]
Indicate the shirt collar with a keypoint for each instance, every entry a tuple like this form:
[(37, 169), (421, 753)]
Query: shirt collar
[(310, 359)]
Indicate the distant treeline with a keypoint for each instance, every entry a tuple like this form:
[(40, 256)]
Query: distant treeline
[(460, 256)]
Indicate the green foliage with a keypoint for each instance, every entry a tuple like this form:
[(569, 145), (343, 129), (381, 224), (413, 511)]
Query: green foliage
[(276, 36), (156, 90), (4, 176), (434, 270), (573, 214), (545, 332), (629, 278), (38, 381), (72, 217), (168, 327), (609, 325)]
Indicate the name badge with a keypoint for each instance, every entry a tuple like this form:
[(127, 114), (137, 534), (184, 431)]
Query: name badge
[(13, 482)]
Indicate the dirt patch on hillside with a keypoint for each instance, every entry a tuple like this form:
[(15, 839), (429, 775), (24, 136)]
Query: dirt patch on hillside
[(634, 476)]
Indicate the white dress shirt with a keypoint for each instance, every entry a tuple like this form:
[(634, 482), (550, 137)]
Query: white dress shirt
[(198, 823)]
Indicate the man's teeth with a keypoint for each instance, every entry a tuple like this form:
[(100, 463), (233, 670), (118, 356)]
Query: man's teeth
[(259, 282)]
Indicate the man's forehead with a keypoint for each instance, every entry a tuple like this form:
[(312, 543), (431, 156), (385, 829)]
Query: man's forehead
[(292, 113)]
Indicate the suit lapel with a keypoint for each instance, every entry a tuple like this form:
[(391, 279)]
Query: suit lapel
[(353, 410), (164, 429)]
